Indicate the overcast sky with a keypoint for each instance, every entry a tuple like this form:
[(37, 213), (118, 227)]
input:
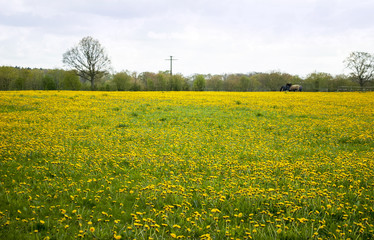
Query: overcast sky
[(206, 36)]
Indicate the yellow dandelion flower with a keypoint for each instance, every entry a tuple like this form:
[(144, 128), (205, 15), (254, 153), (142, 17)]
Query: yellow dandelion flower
[(173, 235), (176, 226), (117, 236), (215, 210)]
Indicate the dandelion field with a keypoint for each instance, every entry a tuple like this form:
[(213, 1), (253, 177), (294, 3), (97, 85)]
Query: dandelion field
[(186, 165)]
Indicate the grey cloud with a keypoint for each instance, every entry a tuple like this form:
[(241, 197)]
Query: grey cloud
[(251, 31)]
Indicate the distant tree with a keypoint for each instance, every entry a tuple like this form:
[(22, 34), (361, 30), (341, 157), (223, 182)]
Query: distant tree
[(254, 84), (231, 82), (272, 81), (199, 83), (58, 76), (185, 83), (122, 81), (19, 83), (214, 83), (362, 66), (278, 79), (89, 59), (245, 82), (7, 74), (105, 83), (70, 81), (317, 81), (339, 81), (161, 81), (148, 80), (136, 83), (34, 79), (176, 83), (49, 83)]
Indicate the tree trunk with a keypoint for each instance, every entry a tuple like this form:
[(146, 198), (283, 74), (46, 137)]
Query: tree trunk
[(92, 83), (361, 82)]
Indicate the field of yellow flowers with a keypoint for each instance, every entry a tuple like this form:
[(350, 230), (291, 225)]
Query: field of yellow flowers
[(186, 165)]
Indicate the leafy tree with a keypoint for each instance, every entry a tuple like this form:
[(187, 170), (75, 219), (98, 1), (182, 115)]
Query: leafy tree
[(185, 83), (148, 80), (34, 79), (136, 83), (57, 76), (199, 83), (70, 81), (317, 81), (340, 81), (176, 83), (362, 66), (89, 59), (7, 74), (49, 83), (122, 81), (277, 79), (231, 82), (253, 84), (244, 83), (161, 81), (19, 83), (214, 83)]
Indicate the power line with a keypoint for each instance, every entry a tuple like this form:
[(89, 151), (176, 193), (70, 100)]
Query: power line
[(171, 64)]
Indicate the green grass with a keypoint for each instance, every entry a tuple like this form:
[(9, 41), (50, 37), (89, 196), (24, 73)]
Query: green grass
[(188, 165)]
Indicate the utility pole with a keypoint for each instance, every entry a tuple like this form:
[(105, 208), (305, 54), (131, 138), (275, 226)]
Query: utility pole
[(171, 64)]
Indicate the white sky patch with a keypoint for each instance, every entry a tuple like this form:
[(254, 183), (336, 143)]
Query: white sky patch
[(206, 36)]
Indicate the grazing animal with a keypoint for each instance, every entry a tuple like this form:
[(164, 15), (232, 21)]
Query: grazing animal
[(284, 88), (291, 87), (295, 88)]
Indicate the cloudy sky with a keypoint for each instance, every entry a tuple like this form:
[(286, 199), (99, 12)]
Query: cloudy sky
[(206, 36)]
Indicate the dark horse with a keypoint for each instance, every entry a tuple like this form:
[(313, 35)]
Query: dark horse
[(291, 87), (283, 88)]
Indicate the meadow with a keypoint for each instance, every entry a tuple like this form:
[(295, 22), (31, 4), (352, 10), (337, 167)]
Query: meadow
[(186, 165)]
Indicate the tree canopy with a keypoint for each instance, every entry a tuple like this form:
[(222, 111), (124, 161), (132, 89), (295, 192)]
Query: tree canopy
[(90, 62), (362, 66), (89, 59)]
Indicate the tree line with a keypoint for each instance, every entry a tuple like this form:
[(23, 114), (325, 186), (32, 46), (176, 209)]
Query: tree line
[(90, 63), (15, 78)]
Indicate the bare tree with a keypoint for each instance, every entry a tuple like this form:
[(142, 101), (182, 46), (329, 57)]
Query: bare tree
[(89, 59), (362, 65)]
